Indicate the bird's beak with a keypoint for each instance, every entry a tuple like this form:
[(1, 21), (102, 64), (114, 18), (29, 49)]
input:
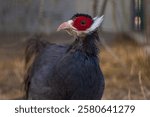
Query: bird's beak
[(63, 26)]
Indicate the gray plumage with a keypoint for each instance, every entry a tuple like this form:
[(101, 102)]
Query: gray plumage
[(64, 72)]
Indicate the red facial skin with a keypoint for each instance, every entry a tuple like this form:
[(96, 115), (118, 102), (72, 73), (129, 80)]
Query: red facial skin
[(82, 23)]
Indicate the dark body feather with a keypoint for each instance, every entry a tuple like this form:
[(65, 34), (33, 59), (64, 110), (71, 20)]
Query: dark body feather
[(66, 72)]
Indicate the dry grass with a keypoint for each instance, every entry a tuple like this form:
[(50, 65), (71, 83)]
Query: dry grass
[(127, 77), (11, 78)]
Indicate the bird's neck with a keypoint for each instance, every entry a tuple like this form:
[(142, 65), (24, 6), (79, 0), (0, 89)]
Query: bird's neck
[(86, 44)]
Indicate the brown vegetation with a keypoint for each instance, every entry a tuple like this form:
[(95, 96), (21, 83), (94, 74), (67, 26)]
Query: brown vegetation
[(128, 74)]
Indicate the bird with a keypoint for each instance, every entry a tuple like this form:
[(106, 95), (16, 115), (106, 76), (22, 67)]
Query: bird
[(66, 72)]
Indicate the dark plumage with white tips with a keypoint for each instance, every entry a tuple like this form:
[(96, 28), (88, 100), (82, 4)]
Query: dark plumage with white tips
[(61, 72)]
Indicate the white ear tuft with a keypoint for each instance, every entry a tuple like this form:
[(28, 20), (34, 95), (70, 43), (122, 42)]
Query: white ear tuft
[(97, 22)]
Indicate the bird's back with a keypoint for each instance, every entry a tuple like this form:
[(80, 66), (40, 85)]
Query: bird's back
[(41, 71)]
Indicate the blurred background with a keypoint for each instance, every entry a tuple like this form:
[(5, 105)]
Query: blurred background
[(125, 41)]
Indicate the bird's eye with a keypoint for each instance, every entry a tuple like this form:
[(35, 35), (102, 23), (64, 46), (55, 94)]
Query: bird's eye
[(83, 22)]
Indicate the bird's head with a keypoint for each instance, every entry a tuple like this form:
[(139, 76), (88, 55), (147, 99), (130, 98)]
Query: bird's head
[(81, 24)]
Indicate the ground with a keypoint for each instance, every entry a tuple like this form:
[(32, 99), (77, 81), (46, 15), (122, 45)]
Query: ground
[(125, 65)]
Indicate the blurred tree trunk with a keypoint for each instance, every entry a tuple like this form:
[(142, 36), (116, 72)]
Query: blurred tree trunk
[(114, 13), (147, 20), (103, 8), (95, 4), (125, 21), (95, 7), (40, 17)]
